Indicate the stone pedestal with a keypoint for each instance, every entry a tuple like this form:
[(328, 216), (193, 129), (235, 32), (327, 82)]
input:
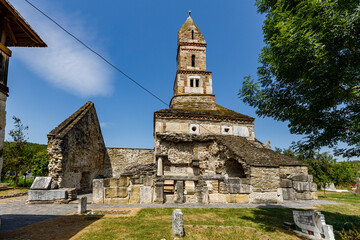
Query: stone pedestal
[(82, 205), (98, 191), (178, 223), (159, 192), (47, 195)]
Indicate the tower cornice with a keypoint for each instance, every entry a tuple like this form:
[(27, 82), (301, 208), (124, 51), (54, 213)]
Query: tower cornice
[(192, 44), (193, 72)]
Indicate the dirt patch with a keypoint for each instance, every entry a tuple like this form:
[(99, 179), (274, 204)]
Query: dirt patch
[(117, 212), (11, 192), (14, 199), (206, 217)]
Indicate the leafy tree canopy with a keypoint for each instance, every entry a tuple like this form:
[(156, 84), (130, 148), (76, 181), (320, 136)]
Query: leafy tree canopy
[(324, 167), (20, 156), (310, 71)]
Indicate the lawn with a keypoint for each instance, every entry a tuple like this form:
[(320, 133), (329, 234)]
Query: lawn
[(155, 223)]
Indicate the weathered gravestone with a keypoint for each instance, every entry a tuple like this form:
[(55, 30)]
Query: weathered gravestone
[(82, 205), (41, 183), (313, 226), (178, 223)]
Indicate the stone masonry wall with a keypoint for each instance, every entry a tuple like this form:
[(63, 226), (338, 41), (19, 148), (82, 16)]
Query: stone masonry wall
[(194, 101), (121, 158), (77, 150), (264, 179)]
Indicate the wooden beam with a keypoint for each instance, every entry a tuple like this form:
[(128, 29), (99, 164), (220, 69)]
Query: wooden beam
[(9, 30), (17, 18), (26, 31), (4, 49)]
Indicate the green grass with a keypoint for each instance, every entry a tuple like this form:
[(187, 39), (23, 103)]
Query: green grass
[(339, 197), (208, 223), (155, 223)]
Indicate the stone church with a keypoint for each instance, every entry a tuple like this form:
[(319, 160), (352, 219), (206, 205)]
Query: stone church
[(203, 152)]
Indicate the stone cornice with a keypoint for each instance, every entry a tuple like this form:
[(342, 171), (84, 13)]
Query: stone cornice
[(191, 44), (198, 117), (193, 72)]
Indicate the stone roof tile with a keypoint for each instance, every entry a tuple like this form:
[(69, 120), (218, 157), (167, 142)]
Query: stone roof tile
[(220, 112), (253, 153)]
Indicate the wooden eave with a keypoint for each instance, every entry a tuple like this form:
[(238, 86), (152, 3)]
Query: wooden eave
[(18, 32)]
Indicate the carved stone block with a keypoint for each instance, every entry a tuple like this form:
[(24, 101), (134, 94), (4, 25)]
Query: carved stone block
[(300, 178), (285, 183), (288, 194), (41, 183), (301, 186)]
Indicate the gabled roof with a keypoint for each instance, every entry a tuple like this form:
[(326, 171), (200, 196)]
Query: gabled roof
[(219, 114), (19, 32), (63, 128)]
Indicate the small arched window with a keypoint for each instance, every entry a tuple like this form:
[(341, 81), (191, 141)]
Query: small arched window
[(192, 34), (193, 60)]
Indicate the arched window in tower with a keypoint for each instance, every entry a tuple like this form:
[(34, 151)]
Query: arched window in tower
[(192, 34), (193, 60)]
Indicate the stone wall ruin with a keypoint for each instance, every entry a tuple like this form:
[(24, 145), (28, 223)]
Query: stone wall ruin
[(77, 150), (122, 158)]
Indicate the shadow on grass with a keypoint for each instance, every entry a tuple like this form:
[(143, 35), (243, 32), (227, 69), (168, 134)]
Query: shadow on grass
[(16, 226), (272, 219)]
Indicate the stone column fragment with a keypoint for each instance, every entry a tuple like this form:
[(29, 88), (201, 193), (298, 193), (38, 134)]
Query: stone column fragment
[(82, 205), (160, 166), (179, 192), (178, 223)]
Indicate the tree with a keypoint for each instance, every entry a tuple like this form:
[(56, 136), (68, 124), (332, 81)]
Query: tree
[(39, 159), (345, 172), (323, 166), (310, 70), (16, 156), (320, 165)]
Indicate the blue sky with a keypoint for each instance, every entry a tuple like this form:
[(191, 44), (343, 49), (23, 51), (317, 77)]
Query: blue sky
[(48, 85)]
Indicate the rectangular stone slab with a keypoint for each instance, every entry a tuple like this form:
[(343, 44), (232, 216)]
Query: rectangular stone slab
[(46, 195), (146, 194), (41, 183)]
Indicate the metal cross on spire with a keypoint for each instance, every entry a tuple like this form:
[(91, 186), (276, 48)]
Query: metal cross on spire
[(189, 13)]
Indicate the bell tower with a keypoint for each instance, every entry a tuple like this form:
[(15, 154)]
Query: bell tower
[(193, 84)]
